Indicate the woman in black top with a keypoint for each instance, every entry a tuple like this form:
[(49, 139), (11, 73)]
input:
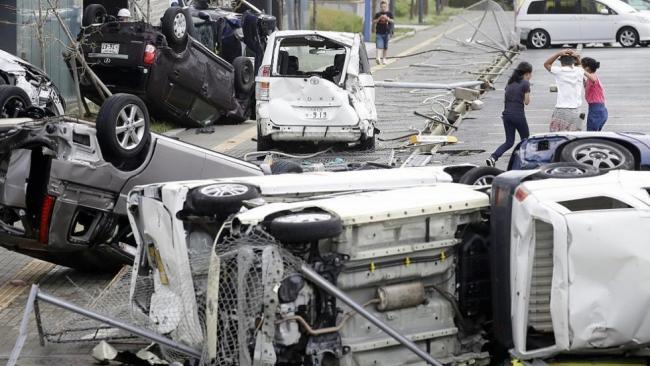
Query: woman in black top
[(514, 117)]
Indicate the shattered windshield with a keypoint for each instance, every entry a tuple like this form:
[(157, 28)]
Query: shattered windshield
[(309, 56)]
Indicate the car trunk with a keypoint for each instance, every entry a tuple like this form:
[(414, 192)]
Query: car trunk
[(119, 44)]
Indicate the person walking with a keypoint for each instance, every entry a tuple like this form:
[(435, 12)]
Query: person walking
[(569, 79), (517, 96), (595, 95), (384, 22)]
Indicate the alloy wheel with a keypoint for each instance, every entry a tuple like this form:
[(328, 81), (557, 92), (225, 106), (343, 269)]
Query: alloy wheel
[(224, 190), (130, 127), (599, 156)]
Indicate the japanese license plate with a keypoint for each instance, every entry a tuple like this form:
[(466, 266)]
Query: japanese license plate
[(316, 113), (110, 48)]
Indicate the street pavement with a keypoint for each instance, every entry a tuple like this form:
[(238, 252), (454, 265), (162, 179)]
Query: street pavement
[(623, 74)]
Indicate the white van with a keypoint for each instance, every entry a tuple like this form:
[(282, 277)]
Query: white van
[(315, 86), (542, 23)]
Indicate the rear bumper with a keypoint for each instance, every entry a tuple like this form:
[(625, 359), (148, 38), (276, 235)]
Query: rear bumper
[(350, 133)]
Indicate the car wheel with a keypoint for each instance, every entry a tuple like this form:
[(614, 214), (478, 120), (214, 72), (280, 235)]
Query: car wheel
[(368, 143), (539, 38), (480, 176), (221, 199), (602, 154), (264, 143), (244, 74), (93, 14), (628, 37), (643, 44), (305, 227), (567, 170), (123, 126), (13, 101), (285, 166), (175, 27)]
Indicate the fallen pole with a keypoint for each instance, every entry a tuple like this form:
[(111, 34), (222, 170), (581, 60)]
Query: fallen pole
[(311, 275), (414, 85)]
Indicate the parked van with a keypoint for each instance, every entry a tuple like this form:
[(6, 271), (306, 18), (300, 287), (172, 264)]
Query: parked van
[(542, 23)]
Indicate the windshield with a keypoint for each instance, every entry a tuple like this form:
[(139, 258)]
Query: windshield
[(311, 55), (623, 8), (639, 4)]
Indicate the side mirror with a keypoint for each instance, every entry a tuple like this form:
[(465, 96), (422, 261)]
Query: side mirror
[(204, 16), (604, 11)]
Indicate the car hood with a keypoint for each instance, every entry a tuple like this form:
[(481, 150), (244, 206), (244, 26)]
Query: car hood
[(10, 63)]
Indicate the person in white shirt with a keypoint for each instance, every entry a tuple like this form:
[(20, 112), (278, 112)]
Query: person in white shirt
[(568, 78)]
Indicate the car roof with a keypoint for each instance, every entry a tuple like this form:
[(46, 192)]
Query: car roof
[(345, 38)]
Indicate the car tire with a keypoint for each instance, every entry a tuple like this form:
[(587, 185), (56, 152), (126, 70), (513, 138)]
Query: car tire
[(285, 166), (627, 37), (368, 143), (175, 26), (93, 14), (566, 170), (480, 176), (539, 38), (601, 154), (305, 227), (244, 74), (221, 199), (264, 143), (13, 101), (123, 127)]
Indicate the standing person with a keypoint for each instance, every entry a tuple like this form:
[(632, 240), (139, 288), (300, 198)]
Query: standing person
[(383, 21), (595, 95), (514, 117), (568, 78)]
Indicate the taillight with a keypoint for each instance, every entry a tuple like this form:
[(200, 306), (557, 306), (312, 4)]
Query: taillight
[(263, 86), (149, 54), (46, 215), (265, 71), (521, 194)]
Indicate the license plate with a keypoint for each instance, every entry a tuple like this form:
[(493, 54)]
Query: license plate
[(317, 113), (110, 48)]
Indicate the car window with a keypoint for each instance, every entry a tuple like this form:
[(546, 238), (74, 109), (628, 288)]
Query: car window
[(567, 7), (302, 56), (536, 7), (550, 7), (593, 7)]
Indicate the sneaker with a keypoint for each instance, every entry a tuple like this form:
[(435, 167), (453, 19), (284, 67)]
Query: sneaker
[(490, 161), (378, 61), (383, 61)]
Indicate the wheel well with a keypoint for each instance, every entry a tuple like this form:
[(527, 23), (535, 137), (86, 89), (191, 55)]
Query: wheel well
[(618, 32), (626, 144)]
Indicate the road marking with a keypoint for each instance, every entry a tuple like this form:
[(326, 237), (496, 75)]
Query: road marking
[(31, 273), (246, 135)]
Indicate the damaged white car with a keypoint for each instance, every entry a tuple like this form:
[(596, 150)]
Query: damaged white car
[(315, 86), (23, 85)]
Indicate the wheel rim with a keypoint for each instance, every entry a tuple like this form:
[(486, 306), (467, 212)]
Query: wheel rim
[(180, 26), (566, 171), (12, 107), (485, 180), (224, 190), (130, 127), (304, 217), (539, 39), (599, 155), (628, 38)]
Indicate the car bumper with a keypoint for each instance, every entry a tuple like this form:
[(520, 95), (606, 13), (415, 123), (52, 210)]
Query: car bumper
[(316, 133), (644, 32)]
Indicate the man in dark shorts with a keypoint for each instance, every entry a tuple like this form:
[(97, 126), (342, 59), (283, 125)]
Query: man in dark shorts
[(383, 21)]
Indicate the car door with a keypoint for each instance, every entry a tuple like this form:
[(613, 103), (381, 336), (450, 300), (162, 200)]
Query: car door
[(596, 22), (561, 21)]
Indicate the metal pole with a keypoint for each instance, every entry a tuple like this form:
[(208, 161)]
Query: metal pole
[(367, 16), (391, 6), (311, 275), (471, 39), (413, 85), (22, 330), (421, 11), (144, 333), (269, 7)]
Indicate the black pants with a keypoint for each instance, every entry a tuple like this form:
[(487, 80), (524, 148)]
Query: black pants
[(512, 122)]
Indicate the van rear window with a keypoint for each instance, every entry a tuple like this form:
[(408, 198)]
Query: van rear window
[(536, 7)]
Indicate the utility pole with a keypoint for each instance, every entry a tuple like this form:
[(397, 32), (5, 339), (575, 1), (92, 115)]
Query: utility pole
[(367, 15), (391, 6), (421, 11), (313, 15)]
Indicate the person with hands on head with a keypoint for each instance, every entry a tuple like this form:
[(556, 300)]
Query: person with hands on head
[(568, 78), (383, 21), (595, 95)]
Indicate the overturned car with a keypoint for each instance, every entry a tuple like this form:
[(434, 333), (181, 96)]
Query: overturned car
[(466, 275), (197, 67)]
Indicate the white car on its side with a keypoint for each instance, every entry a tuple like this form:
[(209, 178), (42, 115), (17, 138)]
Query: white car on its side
[(542, 23), (315, 86)]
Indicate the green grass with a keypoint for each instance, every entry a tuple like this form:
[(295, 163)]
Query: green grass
[(402, 13), (337, 21), (161, 127)]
